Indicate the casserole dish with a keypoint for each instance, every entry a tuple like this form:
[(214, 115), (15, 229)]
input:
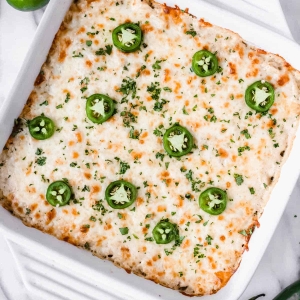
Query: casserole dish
[(290, 171)]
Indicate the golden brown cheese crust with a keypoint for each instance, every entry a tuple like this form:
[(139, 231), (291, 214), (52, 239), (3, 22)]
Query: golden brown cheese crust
[(85, 153)]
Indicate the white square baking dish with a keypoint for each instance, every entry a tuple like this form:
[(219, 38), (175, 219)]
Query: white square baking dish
[(114, 283)]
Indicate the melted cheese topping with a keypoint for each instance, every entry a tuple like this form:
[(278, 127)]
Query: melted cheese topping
[(235, 149)]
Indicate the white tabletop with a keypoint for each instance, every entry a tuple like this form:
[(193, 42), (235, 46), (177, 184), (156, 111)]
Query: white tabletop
[(280, 265)]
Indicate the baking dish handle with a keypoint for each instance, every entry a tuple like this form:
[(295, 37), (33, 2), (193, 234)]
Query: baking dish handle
[(48, 279)]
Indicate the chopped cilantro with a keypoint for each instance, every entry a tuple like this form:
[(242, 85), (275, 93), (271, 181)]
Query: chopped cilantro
[(246, 134), (184, 111), (98, 206), (124, 166), (128, 87), (154, 90), (134, 134), (124, 230), (208, 239), (157, 132), (156, 65), (158, 106), (238, 179), (191, 32), (168, 252), (107, 50), (242, 149), (160, 156), (39, 151), (252, 191), (67, 98), (44, 103), (92, 33), (167, 89), (200, 219), (41, 161), (77, 55), (128, 118)]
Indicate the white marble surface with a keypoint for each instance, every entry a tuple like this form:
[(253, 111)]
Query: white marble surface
[(280, 265)]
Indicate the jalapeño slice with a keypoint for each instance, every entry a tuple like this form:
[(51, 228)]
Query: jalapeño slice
[(178, 141), (127, 37), (120, 194), (58, 193), (99, 108), (260, 96), (213, 201), (41, 128), (27, 5), (204, 63), (164, 232)]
